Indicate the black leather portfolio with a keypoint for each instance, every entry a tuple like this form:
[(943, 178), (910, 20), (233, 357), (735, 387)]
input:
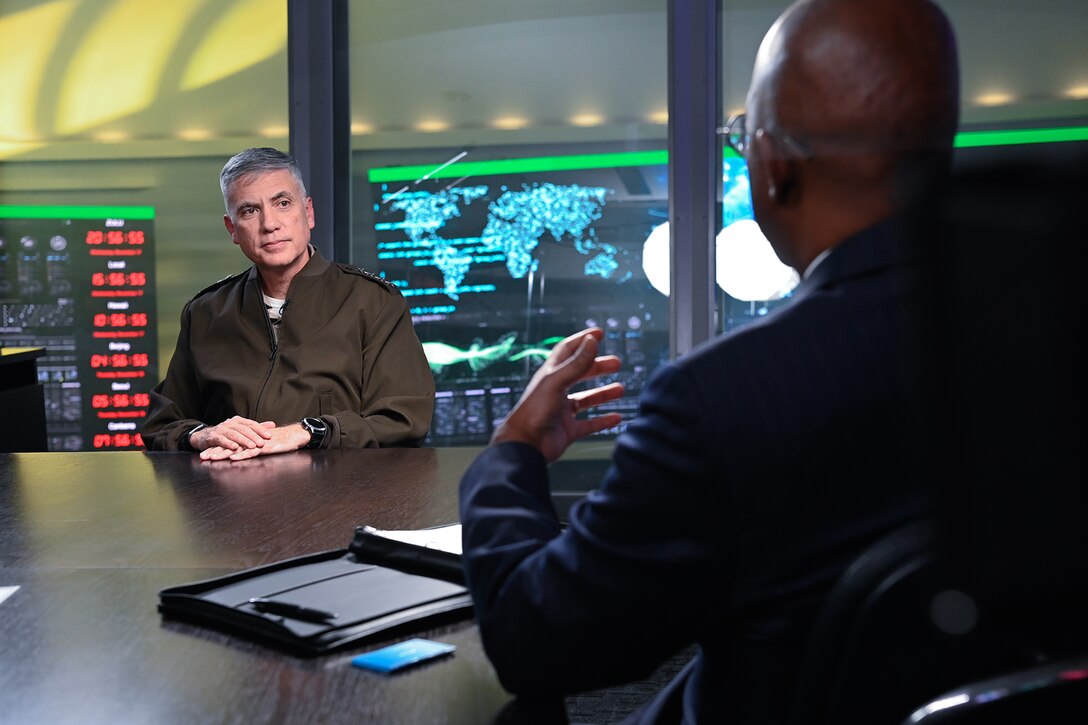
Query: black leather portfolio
[(321, 602)]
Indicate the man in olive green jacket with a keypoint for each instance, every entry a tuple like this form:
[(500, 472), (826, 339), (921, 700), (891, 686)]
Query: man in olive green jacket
[(296, 352)]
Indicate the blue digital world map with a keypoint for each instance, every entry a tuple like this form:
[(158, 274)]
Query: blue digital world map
[(516, 221)]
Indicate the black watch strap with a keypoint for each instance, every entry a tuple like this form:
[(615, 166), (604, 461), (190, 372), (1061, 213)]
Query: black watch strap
[(318, 429), (188, 439)]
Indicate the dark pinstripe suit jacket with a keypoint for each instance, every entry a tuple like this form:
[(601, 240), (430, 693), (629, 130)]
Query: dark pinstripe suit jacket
[(759, 465)]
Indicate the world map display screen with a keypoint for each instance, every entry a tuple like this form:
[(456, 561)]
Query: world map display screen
[(499, 260)]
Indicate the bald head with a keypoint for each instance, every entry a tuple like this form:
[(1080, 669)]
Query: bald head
[(878, 74), (869, 89)]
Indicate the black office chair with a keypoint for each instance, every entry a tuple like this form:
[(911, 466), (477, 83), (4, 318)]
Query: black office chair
[(877, 607), (996, 586), (905, 628), (1051, 694)]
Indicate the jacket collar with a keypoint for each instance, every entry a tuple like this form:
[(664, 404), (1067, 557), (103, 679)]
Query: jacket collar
[(315, 267), (891, 243)]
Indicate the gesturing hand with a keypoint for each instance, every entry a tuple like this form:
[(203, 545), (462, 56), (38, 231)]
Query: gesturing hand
[(546, 414)]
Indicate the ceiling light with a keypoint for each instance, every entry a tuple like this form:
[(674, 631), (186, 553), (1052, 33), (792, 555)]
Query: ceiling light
[(111, 136), (217, 54), (1077, 93), (275, 131), (361, 128), (587, 119), (114, 65), (194, 134), (12, 149), (659, 117), (432, 126), (510, 123), (997, 98)]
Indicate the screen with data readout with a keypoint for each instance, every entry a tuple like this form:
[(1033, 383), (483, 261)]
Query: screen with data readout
[(79, 281)]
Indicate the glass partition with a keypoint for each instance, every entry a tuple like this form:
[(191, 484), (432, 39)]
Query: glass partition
[(509, 171), (1024, 90), (750, 281), (114, 125), (509, 163)]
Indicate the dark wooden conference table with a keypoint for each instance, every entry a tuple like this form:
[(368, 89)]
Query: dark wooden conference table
[(90, 538)]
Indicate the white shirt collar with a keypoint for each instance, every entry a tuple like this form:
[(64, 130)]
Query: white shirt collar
[(815, 263)]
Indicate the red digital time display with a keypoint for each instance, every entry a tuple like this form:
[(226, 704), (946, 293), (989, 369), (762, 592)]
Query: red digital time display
[(118, 279), (120, 400), (115, 242), (120, 360), (120, 319), (91, 307), (114, 237), (117, 440), (121, 324)]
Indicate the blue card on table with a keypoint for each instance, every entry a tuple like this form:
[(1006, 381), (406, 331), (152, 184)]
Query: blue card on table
[(401, 655)]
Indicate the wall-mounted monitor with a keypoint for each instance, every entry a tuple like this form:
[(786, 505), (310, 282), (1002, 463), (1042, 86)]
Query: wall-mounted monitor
[(79, 281), (499, 259)]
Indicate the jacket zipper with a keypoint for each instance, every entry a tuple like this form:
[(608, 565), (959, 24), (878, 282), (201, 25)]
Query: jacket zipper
[(274, 345)]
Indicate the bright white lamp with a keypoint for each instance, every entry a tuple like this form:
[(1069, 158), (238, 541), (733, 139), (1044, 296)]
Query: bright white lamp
[(655, 258), (747, 267)]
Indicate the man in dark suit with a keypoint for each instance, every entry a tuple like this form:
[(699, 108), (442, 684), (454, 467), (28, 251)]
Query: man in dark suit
[(762, 462)]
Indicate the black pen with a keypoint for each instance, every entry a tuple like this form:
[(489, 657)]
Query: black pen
[(293, 611)]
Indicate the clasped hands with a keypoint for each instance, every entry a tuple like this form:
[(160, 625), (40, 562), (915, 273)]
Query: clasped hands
[(240, 438), (547, 415)]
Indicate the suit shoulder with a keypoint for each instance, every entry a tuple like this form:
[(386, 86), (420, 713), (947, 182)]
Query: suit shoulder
[(367, 275)]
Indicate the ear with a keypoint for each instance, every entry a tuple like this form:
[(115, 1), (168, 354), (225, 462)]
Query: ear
[(310, 212), (779, 168), (229, 224)]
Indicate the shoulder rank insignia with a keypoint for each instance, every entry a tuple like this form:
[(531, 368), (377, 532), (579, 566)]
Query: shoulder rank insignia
[(216, 285), (369, 275)]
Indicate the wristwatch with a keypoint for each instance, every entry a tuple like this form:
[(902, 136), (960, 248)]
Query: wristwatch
[(318, 429), (189, 436)]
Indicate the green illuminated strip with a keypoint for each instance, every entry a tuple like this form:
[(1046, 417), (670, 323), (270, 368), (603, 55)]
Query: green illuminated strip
[(965, 139), (520, 166), (77, 212), (969, 139)]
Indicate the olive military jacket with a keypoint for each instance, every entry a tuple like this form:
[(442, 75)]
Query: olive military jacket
[(345, 351)]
